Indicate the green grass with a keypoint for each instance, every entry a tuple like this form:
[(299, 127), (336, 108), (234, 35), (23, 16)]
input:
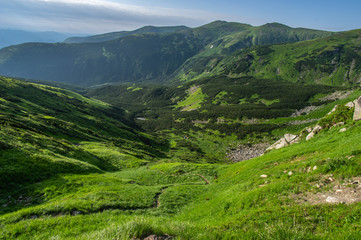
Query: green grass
[(64, 179), (193, 101), (236, 204)]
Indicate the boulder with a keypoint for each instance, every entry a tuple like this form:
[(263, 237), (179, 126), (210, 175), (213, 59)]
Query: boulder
[(286, 140), (343, 130), (357, 112), (333, 109), (314, 131), (350, 104), (331, 199), (290, 138), (277, 145)]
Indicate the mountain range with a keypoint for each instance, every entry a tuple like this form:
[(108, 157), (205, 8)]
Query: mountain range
[(224, 131), (149, 56)]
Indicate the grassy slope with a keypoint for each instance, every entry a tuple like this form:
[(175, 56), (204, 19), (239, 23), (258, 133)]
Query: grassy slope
[(236, 204), (334, 60), (273, 33), (46, 131)]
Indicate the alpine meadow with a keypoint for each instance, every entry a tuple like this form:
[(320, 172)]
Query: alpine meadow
[(221, 131)]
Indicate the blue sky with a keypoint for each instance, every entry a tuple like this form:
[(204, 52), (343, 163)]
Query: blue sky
[(99, 16)]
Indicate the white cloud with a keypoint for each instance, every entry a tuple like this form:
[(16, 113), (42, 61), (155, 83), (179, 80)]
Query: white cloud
[(92, 16)]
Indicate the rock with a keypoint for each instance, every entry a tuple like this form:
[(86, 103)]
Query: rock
[(4, 205), (331, 199), (151, 237), (286, 140), (314, 168), (357, 112), (343, 130), (290, 173), (339, 191), (338, 124), (263, 176), (246, 152), (350, 104), (309, 136), (315, 130), (279, 144), (333, 109), (303, 111), (155, 237), (74, 213), (290, 137)]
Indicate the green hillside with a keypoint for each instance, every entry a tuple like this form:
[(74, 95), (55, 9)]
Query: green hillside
[(272, 33), (46, 131), (283, 194), (217, 103), (139, 57), (132, 158), (334, 60)]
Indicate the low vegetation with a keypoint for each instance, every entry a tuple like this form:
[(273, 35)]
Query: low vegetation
[(135, 160), (262, 198)]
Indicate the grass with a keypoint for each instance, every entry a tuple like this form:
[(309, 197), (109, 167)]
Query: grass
[(193, 101), (237, 204), (62, 179)]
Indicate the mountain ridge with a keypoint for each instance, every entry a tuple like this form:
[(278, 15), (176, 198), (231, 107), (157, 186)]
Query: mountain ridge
[(139, 57), (114, 35)]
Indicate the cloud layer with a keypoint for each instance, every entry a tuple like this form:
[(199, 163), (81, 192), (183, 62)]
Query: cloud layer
[(92, 16)]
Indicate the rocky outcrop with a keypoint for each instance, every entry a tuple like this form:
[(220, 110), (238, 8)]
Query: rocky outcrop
[(286, 140), (350, 104), (357, 112), (313, 132)]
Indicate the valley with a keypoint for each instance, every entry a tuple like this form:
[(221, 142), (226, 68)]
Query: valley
[(162, 133)]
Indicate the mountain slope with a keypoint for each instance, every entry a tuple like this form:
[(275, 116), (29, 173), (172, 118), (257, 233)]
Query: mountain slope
[(284, 194), (46, 131), (271, 33), (334, 60), (114, 35), (137, 57), (241, 107)]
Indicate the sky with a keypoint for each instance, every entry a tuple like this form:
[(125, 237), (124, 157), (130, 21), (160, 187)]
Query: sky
[(101, 16)]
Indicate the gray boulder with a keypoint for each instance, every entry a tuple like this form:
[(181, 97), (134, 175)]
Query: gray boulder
[(357, 112), (286, 140), (314, 131)]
